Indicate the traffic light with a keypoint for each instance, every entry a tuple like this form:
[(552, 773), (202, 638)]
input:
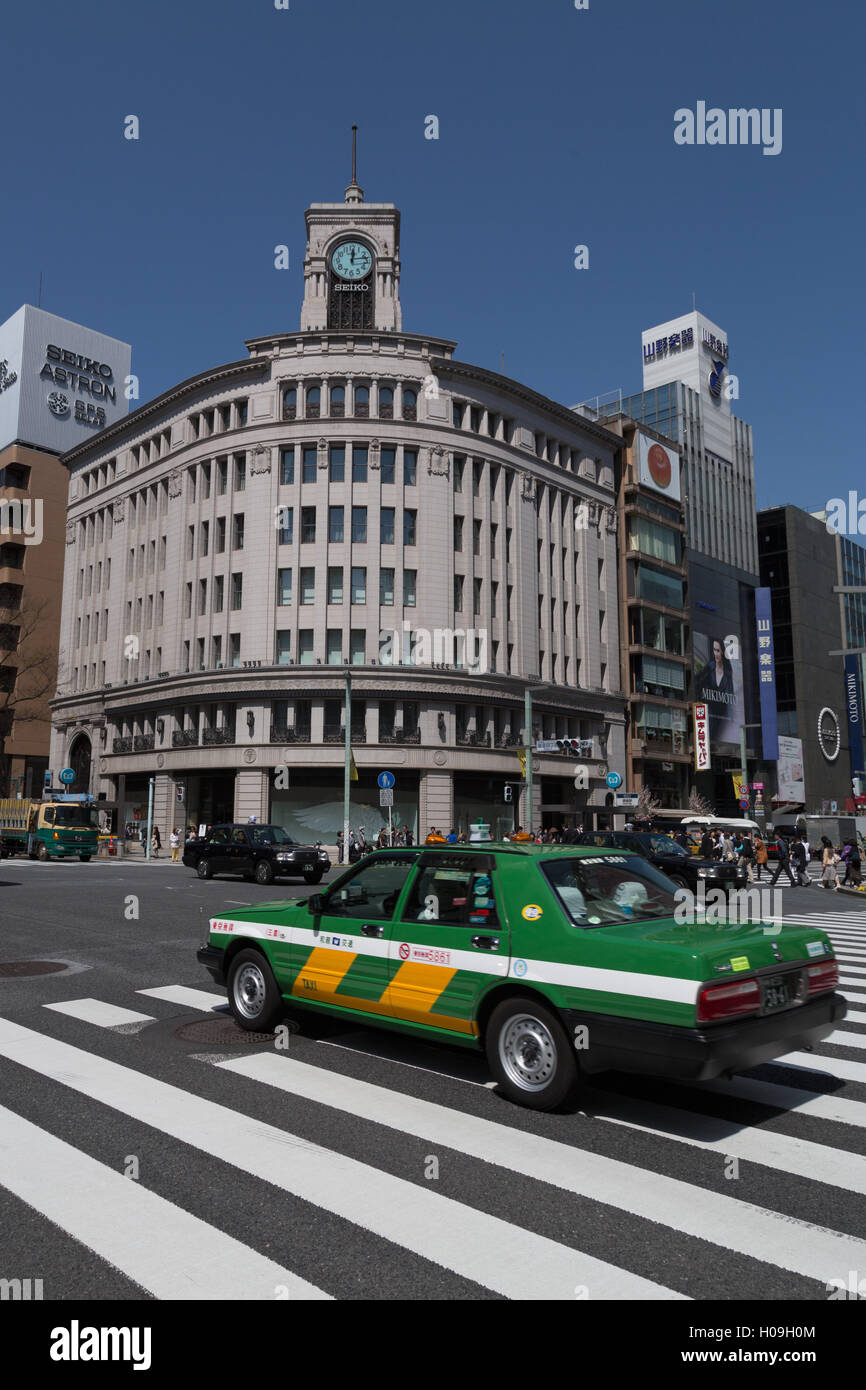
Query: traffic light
[(508, 791)]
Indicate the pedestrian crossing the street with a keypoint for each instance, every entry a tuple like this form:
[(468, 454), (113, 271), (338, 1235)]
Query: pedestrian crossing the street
[(638, 1170)]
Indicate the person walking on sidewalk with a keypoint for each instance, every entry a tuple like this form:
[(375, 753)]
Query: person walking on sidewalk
[(798, 854), (174, 841), (155, 842), (761, 856), (829, 860), (784, 862)]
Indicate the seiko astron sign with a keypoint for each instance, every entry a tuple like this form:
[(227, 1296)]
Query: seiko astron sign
[(62, 382)]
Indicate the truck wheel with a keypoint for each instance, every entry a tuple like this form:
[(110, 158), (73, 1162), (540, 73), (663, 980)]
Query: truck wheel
[(42, 853), (530, 1054), (264, 873), (204, 868), (254, 998)]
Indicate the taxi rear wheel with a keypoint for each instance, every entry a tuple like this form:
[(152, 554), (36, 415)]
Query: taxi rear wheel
[(529, 1053), (264, 873), (254, 998)]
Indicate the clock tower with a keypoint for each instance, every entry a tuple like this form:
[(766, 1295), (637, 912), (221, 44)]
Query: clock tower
[(352, 263)]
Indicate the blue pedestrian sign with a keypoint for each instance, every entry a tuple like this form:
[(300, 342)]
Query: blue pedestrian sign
[(385, 780), (66, 775), (613, 780)]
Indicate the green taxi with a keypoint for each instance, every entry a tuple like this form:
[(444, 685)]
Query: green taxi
[(558, 961)]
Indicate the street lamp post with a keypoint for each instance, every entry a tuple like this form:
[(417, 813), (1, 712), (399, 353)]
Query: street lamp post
[(347, 765)]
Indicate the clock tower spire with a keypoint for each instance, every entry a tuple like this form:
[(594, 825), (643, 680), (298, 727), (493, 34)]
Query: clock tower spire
[(352, 263)]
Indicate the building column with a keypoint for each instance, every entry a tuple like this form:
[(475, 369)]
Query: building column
[(435, 803), (252, 794), (164, 806)]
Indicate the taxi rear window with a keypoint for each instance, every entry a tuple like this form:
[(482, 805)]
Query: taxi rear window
[(609, 889), (454, 890)]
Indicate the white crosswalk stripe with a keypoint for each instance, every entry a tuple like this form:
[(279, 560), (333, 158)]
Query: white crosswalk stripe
[(723, 1220), (182, 1258), (491, 1252), (185, 1257)]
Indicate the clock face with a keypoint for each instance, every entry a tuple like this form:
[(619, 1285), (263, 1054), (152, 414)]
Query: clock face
[(351, 260)]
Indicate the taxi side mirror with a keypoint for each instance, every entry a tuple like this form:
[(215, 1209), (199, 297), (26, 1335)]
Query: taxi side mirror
[(316, 904)]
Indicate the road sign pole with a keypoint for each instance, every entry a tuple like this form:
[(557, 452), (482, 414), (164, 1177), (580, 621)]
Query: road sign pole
[(150, 785), (527, 744), (347, 767)]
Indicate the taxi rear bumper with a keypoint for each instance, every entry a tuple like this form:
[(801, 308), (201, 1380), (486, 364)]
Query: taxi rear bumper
[(699, 1054)]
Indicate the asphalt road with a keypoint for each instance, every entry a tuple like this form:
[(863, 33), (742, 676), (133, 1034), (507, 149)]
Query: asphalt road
[(137, 1163)]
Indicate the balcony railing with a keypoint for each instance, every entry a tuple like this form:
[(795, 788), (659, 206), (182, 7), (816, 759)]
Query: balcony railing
[(313, 410), (142, 743), (401, 736), (184, 738), (290, 412), (469, 739), (338, 410), (386, 412), (121, 745), (410, 412), (508, 741), (288, 734), (212, 736), (333, 733), (362, 410)]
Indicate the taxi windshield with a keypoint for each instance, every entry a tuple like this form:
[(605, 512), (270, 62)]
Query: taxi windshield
[(610, 889), (269, 835)]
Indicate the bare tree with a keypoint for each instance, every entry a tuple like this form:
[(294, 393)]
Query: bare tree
[(647, 804), (698, 805), (28, 671)]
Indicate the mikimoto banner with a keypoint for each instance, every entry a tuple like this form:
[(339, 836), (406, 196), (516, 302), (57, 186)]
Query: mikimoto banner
[(854, 706), (658, 467)]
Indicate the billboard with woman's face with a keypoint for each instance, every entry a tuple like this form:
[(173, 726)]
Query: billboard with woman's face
[(719, 684)]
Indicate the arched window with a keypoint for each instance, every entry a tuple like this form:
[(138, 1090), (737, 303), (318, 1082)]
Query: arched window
[(362, 402), (410, 404), (314, 399), (290, 403), (386, 403), (79, 761), (338, 401)]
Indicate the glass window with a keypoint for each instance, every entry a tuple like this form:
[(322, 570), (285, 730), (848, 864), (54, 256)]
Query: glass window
[(362, 400), (386, 535), (218, 592), (386, 587), (458, 593), (598, 892), (337, 463), (314, 401), (308, 525), (240, 472), (649, 538), (357, 647), (359, 463), (287, 467), (409, 527), (458, 533), (308, 585), (290, 403), (284, 648), (374, 889), (459, 466), (410, 468), (237, 591), (456, 890), (335, 523), (409, 578), (359, 524), (386, 402), (335, 584), (388, 465), (284, 587), (286, 524), (659, 588), (334, 647), (359, 585), (222, 476), (305, 647), (238, 532), (338, 400), (310, 459), (235, 649)]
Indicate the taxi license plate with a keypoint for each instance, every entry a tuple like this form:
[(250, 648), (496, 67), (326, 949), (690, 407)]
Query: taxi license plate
[(777, 992)]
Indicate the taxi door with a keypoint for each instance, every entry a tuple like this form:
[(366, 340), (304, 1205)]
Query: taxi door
[(451, 938), (340, 954)]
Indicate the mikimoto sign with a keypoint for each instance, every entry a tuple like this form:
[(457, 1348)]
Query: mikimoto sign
[(63, 382)]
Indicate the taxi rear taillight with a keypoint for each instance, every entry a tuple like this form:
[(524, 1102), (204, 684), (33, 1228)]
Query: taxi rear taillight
[(728, 1000), (823, 976)]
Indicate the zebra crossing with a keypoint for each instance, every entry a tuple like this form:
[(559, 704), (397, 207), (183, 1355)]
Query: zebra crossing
[(647, 1167)]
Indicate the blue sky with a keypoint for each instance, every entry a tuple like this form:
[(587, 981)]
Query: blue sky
[(556, 128)]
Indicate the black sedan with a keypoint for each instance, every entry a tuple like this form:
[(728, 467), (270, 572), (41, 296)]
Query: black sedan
[(683, 869), (262, 852)]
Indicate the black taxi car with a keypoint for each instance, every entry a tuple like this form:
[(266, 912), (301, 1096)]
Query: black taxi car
[(683, 869), (262, 852)]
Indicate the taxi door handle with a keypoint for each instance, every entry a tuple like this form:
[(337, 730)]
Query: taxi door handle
[(486, 943), (370, 929)]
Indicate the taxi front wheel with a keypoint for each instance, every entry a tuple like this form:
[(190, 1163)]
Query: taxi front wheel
[(529, 1053), (254, 998)]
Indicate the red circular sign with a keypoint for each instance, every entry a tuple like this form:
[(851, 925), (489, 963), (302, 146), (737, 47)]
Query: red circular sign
[(404, 951), (659, 464)]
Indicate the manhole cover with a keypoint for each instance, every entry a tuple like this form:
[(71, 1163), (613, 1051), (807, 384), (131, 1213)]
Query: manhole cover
[(220, 1032), (10, 969)]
